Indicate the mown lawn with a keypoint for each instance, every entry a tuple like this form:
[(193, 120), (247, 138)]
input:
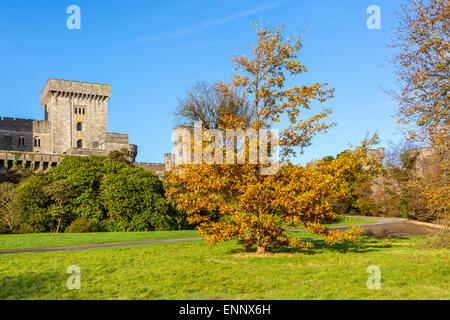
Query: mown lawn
[(194, 270), (47, 240)]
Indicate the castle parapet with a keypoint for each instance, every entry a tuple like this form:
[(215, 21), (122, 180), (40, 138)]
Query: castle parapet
[(157, 168), (77, 88), (114, 137), (27, 160), (18, 124)]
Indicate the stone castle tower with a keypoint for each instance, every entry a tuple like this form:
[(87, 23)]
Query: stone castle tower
[(77, 113), (75, 124)]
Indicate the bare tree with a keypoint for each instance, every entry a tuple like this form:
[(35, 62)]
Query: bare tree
[(207, 103)]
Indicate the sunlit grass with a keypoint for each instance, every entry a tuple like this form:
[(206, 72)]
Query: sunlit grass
[(47, 240), (194, 270)]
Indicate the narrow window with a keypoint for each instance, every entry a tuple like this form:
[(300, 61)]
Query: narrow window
[(21, 141), (79, 126), (79, 144), (37, 142), (84, 111), (76, 110)]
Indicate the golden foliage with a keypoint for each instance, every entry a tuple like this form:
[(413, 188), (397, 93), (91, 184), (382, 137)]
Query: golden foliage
[(234, 200), (423, 64), (263, 84), (227, 201)]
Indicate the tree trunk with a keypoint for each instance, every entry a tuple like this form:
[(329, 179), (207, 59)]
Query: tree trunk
[(59, 223), (9, 224), (261, 250)]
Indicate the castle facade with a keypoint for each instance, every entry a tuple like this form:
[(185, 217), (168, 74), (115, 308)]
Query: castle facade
[(75, 124)]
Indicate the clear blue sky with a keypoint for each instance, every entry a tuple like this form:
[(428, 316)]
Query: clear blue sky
[(151, 51)]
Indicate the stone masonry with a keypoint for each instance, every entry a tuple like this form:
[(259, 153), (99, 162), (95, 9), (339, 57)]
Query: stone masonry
[(75, 124)]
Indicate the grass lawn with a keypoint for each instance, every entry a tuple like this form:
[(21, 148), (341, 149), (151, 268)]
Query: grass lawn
[(194, 270), (47, 240)]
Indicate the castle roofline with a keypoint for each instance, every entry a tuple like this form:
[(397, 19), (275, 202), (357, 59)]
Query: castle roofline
[(74, 88)]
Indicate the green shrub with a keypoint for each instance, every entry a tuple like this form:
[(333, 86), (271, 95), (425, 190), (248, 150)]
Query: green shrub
[(110, 194), (31, 205), (4, 228), (7, 214), (81, 225), (134, 200)]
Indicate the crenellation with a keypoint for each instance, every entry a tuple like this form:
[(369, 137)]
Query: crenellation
[(67, 88), (19, 124)]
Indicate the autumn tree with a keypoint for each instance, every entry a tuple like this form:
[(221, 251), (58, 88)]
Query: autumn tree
[(423, 64), (236, 200), (423, 71)]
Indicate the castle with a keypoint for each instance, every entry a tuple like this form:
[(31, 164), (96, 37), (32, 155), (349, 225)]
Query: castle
[(75, 124)]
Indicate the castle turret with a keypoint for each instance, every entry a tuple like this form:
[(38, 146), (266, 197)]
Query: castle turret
[(77, 112)]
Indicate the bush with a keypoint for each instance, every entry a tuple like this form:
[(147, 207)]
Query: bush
[(4, 228), (31, 206), (109, 194), (7, 217), (134, 200), (81, 225)]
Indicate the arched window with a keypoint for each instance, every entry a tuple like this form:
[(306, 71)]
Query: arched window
[(76, 110), (80, 144), (21, 141), (84, 111), (37, 141), (79, 126)]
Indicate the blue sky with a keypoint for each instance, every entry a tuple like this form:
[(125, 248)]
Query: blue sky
[(152, 51)]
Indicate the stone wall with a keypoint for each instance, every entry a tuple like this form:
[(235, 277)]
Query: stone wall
[(33, 161), (20, 134), (157, 168)]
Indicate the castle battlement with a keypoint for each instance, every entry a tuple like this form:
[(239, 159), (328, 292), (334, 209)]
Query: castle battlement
[(157, 168), (74, 88), (19, 124), (114, 137)]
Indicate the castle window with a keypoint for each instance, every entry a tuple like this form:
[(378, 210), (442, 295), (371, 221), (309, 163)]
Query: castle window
[(79, 126), (79, 144), (21, 141), (76, 109), (84, 111), (37, 142)]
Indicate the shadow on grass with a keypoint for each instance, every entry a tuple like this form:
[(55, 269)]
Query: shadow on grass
[(363, 245), (26, 286)]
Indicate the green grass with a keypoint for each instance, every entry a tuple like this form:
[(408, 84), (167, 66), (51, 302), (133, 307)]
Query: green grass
[(47, 240), (194, 270)]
